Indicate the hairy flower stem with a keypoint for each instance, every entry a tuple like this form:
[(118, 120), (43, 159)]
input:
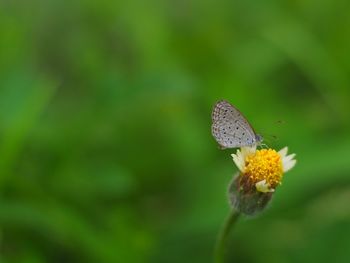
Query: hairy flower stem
[(220, 246)]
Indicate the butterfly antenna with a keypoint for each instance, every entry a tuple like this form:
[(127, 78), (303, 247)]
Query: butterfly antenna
[(281, 122), (271, 137)]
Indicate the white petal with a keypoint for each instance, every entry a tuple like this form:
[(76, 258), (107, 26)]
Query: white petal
[(288, 165), (248, 150), (238, 160), (288, 158), (263, 187), (240, 156), (283, 152)]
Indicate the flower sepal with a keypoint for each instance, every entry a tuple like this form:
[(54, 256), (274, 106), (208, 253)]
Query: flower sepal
[(244, 196)]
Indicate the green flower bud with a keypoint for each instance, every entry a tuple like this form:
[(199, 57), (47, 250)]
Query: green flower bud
[(245, 198)]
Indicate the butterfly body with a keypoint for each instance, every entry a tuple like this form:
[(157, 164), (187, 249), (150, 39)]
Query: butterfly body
[(230, 128)]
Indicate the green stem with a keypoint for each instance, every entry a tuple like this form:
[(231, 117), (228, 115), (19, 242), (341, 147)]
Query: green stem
[(223, 236)]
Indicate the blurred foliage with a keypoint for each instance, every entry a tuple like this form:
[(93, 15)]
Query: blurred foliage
[(105, 146)]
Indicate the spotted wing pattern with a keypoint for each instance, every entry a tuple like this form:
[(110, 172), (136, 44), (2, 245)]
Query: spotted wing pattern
[(230, 128)]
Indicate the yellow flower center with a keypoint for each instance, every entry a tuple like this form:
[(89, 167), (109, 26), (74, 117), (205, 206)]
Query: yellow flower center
[(266, 165)]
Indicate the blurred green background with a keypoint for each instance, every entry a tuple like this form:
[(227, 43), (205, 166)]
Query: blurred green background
[(106, 153)]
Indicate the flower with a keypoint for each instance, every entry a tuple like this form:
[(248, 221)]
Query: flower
[(260, 172), (265, 167)]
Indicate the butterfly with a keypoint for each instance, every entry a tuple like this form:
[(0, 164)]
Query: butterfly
[(230, 128)]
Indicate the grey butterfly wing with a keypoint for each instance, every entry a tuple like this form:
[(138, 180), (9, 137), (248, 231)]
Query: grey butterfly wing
[(230, 128)]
